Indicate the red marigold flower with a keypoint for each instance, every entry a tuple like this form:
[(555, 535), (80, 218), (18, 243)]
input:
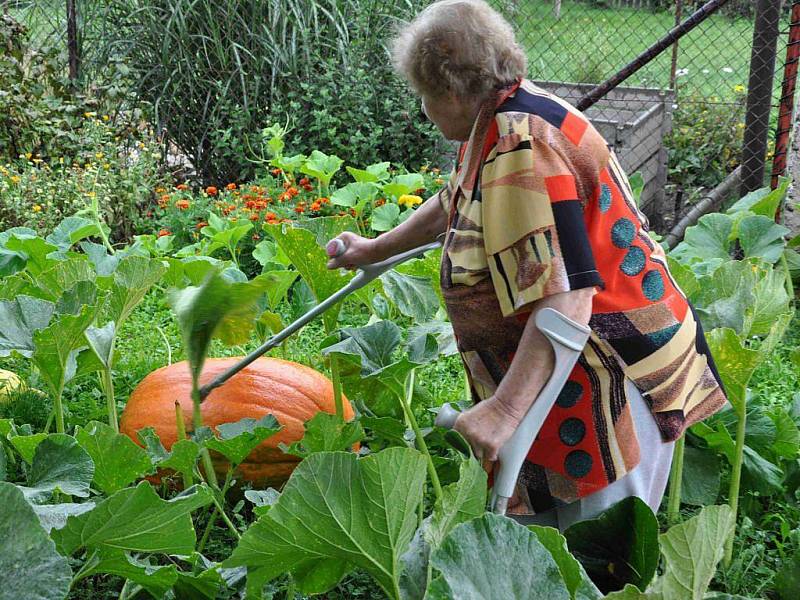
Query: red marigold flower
[(182, 204), (325, 200), (201, 224), (293, 191), (254, 217), (305, 181), (230, 187), (380, 201), (182, 187), (211, 190), (164, 232), (299, 209), (315, 206), (256, 237), (308, 187), (276, 171), (271, 216)]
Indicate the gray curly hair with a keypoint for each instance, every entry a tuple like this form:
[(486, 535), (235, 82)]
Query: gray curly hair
[(460, 46)]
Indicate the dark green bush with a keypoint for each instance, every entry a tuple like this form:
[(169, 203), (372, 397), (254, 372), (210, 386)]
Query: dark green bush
[(217, 72)]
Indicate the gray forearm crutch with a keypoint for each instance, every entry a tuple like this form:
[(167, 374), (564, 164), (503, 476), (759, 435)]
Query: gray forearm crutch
[(366, 273), (568, 339)]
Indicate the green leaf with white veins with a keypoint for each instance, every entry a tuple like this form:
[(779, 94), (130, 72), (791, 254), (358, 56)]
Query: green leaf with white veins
[(101, 341), (59, 464), (372, 174), (385, 217), (709, 240), (727, 297), (734, 362), (54, 516), (404, 184), (691, 551), (56, 347), (35, 250), (156, 579), (63, 276), (322, 166), (460, 563), (71, 231), (325, 432), (578, 583), (354, 193), (413, 296), (461, 501), (136, 519), (364, 515), (30, 567), (118, 461), (771, 299), (132, 279), (762, 237), (236, 440), (20, 318), (216, 308)]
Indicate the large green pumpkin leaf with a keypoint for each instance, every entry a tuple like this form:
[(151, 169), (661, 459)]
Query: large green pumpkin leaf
[(578, 583), (132, 279), (59, 464), (691, 551), (26, 444), (683, 276), (216, 308), (156, 579), (71, 231), (727, 297), (236, 440), (700, 478), (338, 507), (30, 567), (521, 568), (414, 296), (787, 579), (618, 547), (117, 459), (136, 519), (762, 201), (762, 237), (385, 217), (709, 239), (56, 347), (63, 276), (461, 501), (734, 362), (326, 432), (20, 318), (771, 300), (54, 516), (35, 252), (321, 166)]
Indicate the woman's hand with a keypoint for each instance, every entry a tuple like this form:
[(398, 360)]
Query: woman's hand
[(487, 426), (358, 251)]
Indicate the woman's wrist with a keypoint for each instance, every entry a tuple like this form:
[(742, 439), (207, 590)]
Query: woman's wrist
[(507, 409)]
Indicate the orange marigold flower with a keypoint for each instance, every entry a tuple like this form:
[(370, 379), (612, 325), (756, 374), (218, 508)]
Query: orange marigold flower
[(380, 201), (315, 206), (276, 171), (283, 196), (164, 232), (201, 224), (352, 212), (271, 216), (286, 185), (305, 181), (293, 191), (299, 209), (211, 190), (182, 187), (230, 187), (182, 204), (308, 187), (325, 200), (254, 217)]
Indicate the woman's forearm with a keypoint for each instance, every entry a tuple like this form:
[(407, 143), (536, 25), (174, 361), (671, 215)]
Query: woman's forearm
[(422, 227), (534, 361)]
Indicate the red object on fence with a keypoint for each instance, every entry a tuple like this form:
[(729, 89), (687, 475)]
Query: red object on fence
[(786, 114)]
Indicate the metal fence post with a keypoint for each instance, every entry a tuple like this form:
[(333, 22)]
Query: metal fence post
[(786, 114), (759, 96)]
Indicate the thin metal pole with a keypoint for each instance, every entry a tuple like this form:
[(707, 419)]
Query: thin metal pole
[(653, 51), (72, 40), (786, 114), (759, 95), (674, 68)]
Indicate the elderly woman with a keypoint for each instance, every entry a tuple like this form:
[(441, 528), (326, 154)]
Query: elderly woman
[(539, 213)]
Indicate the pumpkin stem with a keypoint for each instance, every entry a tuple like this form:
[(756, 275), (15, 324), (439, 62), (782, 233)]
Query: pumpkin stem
[(188, 480), (337, 387), (421, 445)]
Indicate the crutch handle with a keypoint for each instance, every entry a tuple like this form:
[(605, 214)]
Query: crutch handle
[(335, 247), (447, 415)]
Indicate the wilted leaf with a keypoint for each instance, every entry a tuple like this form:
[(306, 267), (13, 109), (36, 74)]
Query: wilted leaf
[(30, 567), (156, 579)]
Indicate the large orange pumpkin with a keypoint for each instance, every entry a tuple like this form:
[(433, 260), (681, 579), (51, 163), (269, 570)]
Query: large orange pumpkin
[(293, 393)]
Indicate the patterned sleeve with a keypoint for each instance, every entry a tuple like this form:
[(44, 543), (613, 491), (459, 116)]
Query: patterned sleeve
[(445, 195), (534, 231)]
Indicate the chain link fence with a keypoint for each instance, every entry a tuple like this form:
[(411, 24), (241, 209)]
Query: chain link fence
[(680, 120)]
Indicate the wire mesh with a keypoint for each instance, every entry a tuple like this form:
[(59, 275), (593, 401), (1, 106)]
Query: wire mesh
[(697, 93)]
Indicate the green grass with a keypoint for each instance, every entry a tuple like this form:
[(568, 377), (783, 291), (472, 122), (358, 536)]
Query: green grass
[(590, 43)]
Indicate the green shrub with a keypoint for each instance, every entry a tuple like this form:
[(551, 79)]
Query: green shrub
[(217, 72)]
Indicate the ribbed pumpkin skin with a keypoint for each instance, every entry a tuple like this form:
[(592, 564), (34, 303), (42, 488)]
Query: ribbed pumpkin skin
[(293, 393)]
